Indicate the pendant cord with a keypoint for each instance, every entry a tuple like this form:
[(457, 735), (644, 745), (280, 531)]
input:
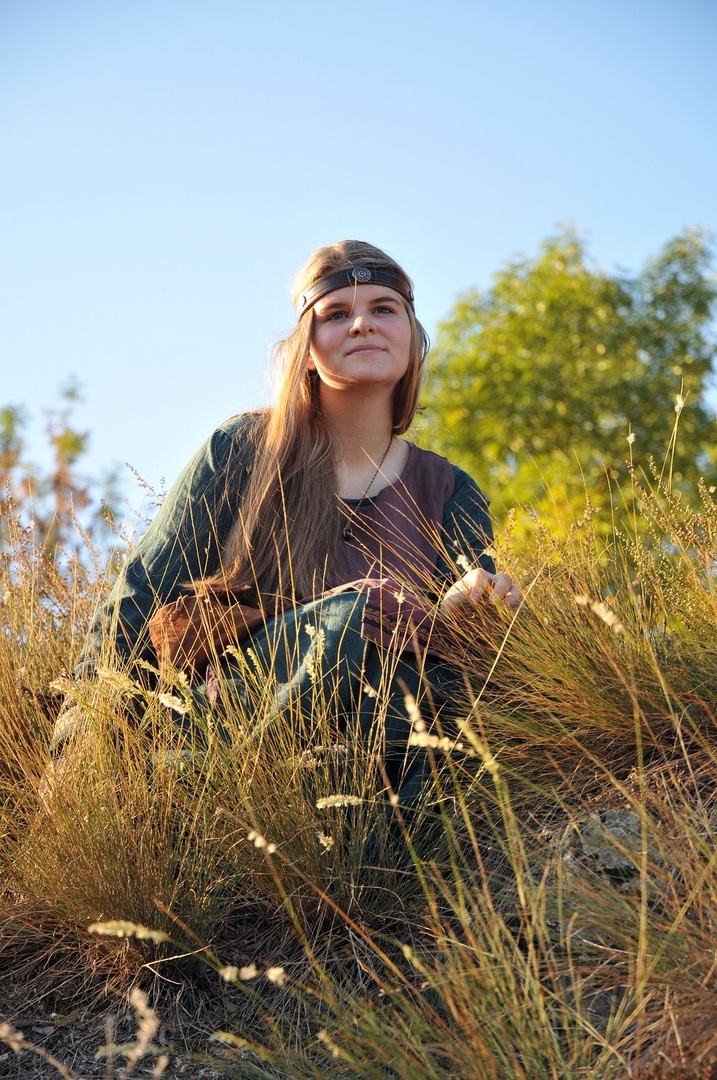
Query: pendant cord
[(378, 469), (346, 532)]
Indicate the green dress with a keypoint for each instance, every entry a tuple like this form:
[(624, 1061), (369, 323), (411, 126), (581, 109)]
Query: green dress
[(400, 550)]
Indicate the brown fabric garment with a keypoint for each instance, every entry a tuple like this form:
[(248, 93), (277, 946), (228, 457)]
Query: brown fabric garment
[(397, 533), (188, 632), (394, 617)]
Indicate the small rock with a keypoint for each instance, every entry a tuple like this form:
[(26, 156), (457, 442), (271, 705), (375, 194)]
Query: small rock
[(612, 839)]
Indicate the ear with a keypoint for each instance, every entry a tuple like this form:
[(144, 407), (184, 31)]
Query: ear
[(310, 363)]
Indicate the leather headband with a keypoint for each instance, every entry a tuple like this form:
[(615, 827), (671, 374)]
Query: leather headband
[(359, 275)]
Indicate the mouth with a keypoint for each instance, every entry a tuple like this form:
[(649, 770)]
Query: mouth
[(364, 349)]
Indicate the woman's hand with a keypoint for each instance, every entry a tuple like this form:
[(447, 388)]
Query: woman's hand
[(478, 586)]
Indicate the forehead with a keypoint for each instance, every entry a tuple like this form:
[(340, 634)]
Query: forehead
[(353, 295)]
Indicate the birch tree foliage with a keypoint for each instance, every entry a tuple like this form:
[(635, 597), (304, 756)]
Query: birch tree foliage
[(544, 385)]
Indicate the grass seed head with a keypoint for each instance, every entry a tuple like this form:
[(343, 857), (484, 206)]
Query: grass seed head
[(601, 610), (123, 928), (414, 714), (338, 800), (261, 842)]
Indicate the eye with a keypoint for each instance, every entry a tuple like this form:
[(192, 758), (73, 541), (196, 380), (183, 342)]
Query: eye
[(385, 309), (336, 315)]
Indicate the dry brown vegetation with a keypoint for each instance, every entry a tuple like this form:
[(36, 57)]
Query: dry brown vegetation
[(549, 911)]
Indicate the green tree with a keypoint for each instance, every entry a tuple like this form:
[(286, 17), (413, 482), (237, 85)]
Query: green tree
[(54, 500), (537, 383)]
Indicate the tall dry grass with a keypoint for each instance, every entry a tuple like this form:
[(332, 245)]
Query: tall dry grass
[(548, 910)]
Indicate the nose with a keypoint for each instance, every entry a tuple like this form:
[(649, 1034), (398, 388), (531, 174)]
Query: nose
[(362, 324)]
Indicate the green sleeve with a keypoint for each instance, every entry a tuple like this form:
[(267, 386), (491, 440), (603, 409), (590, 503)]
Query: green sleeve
[(183, 543), (467, 530)]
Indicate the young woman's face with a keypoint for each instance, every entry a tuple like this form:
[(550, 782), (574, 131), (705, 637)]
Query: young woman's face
[(361, 336)]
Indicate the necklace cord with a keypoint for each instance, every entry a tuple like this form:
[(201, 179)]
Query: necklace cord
[(378, 469), (347, 532)]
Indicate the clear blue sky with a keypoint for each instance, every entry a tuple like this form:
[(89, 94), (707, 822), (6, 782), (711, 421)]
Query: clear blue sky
[(166, 165)]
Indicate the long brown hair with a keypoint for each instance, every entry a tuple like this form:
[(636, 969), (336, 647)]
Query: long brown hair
[(285, 539)]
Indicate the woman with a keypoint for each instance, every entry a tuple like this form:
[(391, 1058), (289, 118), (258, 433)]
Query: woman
[(312, 533)]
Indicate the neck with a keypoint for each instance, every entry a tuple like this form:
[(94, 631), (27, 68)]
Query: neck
[(361, 424)]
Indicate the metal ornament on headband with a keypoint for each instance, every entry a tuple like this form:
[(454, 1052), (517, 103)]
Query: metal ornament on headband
[(359, 275)]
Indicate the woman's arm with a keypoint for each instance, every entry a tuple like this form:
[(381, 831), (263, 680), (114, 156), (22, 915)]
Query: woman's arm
[(467, 529), (468, 538), (183, 543)]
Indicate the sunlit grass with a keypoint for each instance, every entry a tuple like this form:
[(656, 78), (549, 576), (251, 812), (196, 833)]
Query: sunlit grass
[(548, 908)]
